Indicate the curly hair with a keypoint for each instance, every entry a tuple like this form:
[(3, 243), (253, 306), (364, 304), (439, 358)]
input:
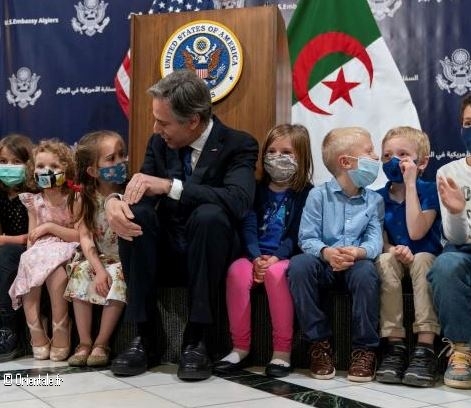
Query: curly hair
[(63, 153)]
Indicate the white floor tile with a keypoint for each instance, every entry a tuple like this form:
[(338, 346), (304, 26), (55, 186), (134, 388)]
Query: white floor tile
[(437, 395), (209, 392), (160, 375), (29, 362), (25, 404), (458, 404), (13, 393), (376, 397), (79, 383), (134, 398)]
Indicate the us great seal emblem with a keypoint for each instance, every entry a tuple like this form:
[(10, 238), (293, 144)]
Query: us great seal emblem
[(208, 48)]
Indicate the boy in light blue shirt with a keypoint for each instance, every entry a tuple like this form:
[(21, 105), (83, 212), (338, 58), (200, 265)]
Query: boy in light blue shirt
[(341, 235)]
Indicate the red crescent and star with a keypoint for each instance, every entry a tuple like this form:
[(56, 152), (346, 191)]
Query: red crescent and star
[(316, 49)]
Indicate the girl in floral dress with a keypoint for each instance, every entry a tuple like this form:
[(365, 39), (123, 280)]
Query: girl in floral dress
[(52, 240), (95, 276)]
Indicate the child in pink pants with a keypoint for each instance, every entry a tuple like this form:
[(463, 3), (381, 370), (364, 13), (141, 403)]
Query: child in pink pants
[(270, 233)]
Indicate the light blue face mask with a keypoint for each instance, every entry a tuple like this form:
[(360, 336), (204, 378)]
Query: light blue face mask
[(114, 174), (12, 174), (366, 172)]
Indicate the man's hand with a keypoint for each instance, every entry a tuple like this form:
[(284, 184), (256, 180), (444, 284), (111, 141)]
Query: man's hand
[(143, 184), (451, 195), (119, 217)]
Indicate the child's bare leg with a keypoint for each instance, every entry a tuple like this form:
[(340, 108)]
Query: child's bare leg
[(31, 307), (56, 284)]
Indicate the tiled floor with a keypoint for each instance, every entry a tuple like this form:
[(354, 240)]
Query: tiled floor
[(71, 387)]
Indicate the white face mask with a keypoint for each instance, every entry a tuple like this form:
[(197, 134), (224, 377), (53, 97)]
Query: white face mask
[(280, 167)]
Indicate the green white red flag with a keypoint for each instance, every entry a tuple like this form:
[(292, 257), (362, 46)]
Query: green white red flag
[(344, 75)]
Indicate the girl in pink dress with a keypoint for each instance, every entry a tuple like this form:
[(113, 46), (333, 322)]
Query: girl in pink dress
[(52, 240)]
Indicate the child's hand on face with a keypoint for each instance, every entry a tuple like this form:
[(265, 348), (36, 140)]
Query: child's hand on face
[(409, 170), (451, 195), (403, 254)]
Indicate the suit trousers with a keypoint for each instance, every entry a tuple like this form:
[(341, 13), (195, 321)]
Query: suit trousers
[(211, 242)]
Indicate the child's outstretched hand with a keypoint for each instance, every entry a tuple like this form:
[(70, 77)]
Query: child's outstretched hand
[(451, 195)]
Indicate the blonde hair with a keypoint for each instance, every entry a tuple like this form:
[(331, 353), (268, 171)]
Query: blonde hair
[(299, 137), (340, 141), (416, 136)]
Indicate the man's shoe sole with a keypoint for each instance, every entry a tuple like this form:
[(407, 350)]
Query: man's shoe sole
[(188, 374), (124, 371)]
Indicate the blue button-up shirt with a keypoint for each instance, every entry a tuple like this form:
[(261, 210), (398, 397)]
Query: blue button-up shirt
[(333, 219)]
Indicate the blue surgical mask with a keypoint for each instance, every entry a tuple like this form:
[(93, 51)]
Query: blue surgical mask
[(12, 174), (393, 171), (113, 174), (46, 178), (366, 172), (466, 136)]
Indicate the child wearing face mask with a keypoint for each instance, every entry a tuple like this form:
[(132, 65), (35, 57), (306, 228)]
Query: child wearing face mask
[(52, 240), (15, 151), (270, 234), (450, 275), (411, 243), (340, 235), (95, 275)]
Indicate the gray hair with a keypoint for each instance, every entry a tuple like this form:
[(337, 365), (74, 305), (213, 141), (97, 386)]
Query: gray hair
[(187, 94)]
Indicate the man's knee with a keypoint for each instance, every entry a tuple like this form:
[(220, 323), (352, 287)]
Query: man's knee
[(450, 267), (209, 215), (144, 214)]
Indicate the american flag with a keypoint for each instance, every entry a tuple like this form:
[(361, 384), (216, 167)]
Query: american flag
[(123, 77)]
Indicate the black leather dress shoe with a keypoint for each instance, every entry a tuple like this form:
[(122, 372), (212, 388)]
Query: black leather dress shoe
[(194, 364), (277, 371), (132, 361), (227, 366)]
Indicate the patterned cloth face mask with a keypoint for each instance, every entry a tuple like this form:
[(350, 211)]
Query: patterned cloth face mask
[(12, 174), (366, 172), (280, 167), (46, 178), (114, 174)]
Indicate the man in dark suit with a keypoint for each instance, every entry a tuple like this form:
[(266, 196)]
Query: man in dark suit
[(195, 185)]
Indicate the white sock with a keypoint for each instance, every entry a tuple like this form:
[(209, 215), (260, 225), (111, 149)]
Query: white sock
[(281, 358), (235, 356)]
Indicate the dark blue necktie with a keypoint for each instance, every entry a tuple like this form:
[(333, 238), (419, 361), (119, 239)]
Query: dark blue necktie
[(186, 160)]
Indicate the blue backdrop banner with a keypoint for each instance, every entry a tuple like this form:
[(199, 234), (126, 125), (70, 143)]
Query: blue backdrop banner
[(59, 58)]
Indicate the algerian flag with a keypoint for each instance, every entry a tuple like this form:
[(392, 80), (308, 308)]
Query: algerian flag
[(344, 75)]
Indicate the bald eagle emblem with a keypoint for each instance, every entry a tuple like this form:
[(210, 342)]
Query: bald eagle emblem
[(24, 88), (456, 73), (90, 17), (202, 57)]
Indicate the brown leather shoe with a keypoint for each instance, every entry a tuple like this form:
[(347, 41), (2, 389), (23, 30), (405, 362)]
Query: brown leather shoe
[(322, 364), (362, 365)]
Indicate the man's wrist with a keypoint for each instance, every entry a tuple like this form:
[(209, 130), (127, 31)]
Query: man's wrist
[(117, 196)]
